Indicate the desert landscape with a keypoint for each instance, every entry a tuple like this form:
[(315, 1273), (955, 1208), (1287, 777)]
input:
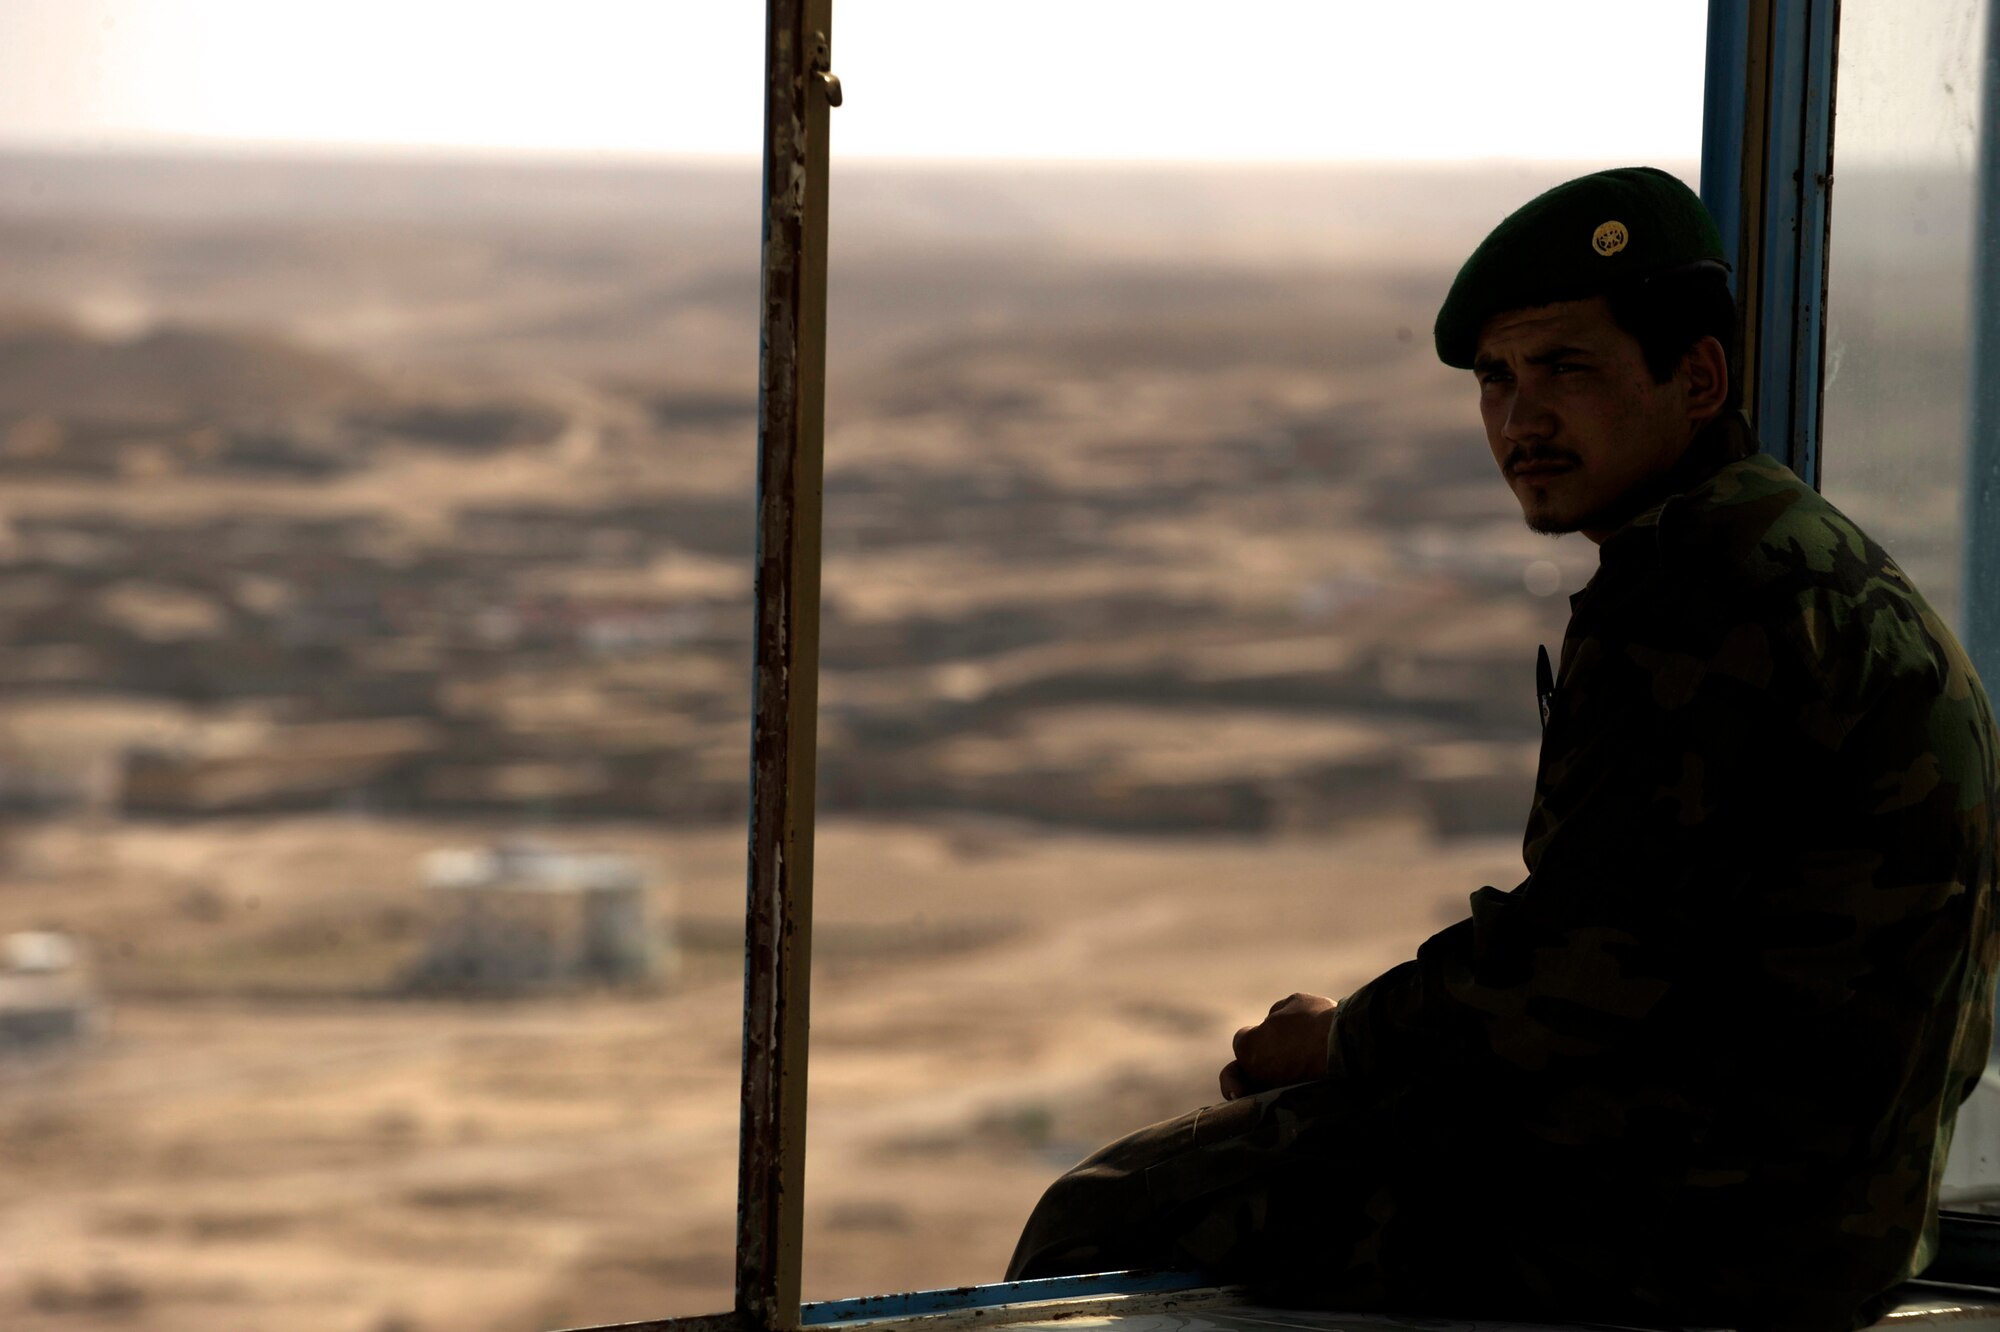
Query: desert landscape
[(1178, 654)]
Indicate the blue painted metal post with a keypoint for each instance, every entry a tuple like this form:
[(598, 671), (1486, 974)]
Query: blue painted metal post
[(1767, 178), (1981, 599), (1725, 121), (1798, 184)]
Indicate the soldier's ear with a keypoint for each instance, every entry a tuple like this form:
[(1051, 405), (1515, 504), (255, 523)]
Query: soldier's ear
[(1705, 370)]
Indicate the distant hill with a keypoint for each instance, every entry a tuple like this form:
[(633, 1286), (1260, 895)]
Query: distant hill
[(166, 375)]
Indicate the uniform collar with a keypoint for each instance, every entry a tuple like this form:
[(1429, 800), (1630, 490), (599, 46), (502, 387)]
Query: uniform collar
[(1724, 444), (1721, 443)]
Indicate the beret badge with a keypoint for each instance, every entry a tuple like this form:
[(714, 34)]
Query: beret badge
[(1640, 222)]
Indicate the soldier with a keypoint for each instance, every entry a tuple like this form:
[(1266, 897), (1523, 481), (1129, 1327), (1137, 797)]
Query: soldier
[(1701, 1065)]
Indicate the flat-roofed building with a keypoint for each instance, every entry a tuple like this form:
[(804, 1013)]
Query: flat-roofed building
[(514, 917)]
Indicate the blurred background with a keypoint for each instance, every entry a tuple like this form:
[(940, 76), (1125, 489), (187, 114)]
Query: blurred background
[(377, 431)]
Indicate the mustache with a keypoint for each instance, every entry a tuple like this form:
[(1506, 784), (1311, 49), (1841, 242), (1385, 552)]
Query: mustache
[(1524, 457)]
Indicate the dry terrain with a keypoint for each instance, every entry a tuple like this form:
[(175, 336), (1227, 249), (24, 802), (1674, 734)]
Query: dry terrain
[(1177, 655)]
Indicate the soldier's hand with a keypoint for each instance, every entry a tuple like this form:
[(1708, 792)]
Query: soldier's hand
[(1288, 1046)]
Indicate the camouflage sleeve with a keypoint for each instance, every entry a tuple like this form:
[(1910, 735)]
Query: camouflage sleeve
[(1643, 739), (1678, 745), (1760, 836)]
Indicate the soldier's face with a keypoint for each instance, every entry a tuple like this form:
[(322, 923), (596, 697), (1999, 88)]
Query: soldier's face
[(1574, 418)]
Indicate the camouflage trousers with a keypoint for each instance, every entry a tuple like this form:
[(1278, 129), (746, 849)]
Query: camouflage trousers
[(1292, 1191), (1189, 1192), (1427, 1204)]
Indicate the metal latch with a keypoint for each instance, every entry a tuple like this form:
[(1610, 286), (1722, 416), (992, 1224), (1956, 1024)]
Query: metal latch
[(822, 65)]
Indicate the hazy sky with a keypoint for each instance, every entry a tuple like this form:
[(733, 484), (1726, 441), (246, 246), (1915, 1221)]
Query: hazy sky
[(1274, 79)]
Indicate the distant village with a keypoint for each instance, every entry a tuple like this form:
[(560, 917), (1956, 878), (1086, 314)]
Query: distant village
[(333, 662)]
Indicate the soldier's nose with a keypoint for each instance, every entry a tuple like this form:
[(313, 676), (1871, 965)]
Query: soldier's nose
[(1527, 421)]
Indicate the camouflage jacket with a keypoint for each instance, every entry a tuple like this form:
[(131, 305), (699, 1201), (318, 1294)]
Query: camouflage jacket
[(1713, 1043)]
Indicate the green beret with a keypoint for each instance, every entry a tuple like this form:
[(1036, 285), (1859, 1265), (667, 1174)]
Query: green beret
[(1581, 239)]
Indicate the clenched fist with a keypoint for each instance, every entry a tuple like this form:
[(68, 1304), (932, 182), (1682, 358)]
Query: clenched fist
[(1288, 1046)]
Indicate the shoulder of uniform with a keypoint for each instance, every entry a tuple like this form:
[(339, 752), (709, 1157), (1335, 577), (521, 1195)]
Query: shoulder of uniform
[(1757, 540), (1754, 522)]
